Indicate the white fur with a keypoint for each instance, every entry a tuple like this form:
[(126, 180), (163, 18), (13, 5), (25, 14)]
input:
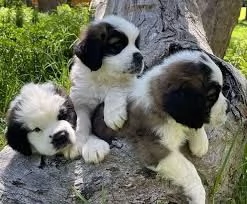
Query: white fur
[(218, 116), (182, 172), (109, 84), (38, 107), (176, 167), (123, 60), (141, 91), (198, 142)]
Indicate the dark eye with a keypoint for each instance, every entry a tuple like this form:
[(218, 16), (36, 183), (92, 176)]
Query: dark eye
[(63, 115), (213, 93), (118, 46), (36, 129), (115, 43), (137, 42)]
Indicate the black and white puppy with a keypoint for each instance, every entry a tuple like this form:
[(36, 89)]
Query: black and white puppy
[(41, 119), (106, 62), (169, 105)]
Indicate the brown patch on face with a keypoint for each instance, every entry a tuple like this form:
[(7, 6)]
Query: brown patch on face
[(96, 31), (99, 40), (181, 74), (181, 91)]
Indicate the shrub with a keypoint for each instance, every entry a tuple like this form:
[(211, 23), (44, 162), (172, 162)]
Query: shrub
[(37, 51), (237, 51)]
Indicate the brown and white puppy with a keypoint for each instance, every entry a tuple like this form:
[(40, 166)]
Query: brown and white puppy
[(106, 62), (41, 119), (167, 106)]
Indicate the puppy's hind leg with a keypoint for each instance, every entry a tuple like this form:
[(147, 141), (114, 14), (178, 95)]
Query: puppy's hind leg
[(182, 172), (92, 148)]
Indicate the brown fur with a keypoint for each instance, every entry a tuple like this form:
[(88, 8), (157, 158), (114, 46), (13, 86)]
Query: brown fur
[(137, 131), (140, 125), (181, 74)]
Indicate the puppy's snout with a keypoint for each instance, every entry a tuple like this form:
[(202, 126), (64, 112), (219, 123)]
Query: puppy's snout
[(60, 139), (137, 57)]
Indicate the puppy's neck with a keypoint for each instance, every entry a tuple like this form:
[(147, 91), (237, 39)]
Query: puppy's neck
[(112, 78)]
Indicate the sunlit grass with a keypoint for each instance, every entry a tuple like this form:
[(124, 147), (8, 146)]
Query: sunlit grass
[(242, 14), (237, 51), (37, 51), (237, 55)]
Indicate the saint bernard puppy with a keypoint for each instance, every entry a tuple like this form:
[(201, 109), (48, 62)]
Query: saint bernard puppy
[(167, 106), (41, 119), (106, 62)]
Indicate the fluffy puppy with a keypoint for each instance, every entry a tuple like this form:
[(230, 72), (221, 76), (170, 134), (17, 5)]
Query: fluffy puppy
[(41, 119), (169, 105), (106, 61)]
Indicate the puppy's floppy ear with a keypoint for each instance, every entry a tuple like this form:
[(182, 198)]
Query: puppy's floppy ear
[(91, 49), (187, 106), (16, 136)]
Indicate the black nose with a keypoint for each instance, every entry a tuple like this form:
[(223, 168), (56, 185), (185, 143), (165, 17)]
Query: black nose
[(60, 139), (137, 57), (228, 109)]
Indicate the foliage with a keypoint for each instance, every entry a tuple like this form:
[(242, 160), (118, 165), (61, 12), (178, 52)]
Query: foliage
[(39, 50), (36, 47), (237, 55), (237, 51)]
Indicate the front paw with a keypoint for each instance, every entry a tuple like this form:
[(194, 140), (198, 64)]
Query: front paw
[(199, 145), (72, 152), (115, 117), (95, 150)]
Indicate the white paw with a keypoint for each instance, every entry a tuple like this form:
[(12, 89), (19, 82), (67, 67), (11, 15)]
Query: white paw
[(115, 117), (95, 150), (198, 196), (71, 152), (199, 145)]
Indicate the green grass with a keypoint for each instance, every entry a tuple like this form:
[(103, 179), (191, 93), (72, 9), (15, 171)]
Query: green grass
[(237, 55), (241, 188), (35, 47), (237, 51)]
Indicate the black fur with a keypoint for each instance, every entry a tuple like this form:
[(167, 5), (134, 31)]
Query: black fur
[(100, 40), (90, 53), (16, 136), (213, 92), (137, 42), (190, 106), (187, 106), (67, 112)]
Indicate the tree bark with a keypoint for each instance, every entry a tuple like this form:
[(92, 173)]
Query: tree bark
[(49, 5), (166, 26), (219, 17)]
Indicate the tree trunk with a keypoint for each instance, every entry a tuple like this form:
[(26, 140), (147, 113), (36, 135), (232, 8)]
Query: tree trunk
[(49, 5), (166, 26), (219, 17)]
